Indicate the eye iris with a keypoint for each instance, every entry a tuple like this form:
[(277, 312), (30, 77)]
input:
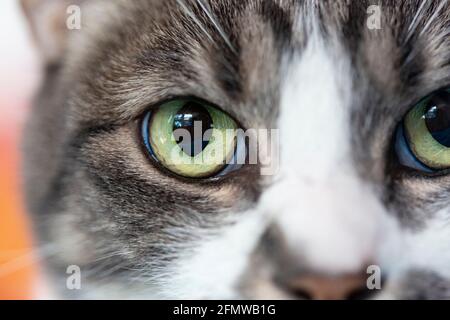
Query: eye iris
[(195, 120), (425, 143), (437, 117), (191, 138)]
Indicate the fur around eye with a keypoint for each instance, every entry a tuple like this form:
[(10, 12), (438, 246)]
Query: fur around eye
[(422, 141), (191, 138)]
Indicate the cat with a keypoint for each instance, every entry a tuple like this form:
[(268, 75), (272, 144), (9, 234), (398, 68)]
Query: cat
[(335, 79)]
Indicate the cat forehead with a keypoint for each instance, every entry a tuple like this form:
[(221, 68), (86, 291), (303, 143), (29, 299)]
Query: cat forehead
[(235, 53)]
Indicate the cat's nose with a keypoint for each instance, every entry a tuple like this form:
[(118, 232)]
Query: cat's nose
[(345, 287)]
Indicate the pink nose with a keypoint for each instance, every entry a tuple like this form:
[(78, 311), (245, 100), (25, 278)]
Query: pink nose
[(350, 286)]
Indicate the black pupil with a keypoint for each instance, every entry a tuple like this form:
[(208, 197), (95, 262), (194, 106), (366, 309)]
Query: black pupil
[(195, 121), (437, 117)]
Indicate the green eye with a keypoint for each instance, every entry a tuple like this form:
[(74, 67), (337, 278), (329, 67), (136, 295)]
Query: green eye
[(427, 131), (190, 138)]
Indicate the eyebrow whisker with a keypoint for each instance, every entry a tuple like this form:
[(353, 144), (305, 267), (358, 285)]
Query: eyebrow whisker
[(207, 9), (416, 20), (434, 16), (192, 15)]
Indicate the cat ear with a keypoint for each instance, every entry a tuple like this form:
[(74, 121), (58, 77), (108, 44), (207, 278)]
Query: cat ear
[(51, 21)]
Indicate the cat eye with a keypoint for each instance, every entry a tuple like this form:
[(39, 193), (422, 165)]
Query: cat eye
[(192, 138), (423, 139)]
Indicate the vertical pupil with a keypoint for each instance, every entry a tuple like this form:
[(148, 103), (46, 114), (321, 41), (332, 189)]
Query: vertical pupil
[(437, 117), (195, 121)]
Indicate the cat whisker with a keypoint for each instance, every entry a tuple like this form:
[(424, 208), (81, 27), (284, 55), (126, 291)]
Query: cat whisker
[(28, 258), (207, 9), (191, 15), (416, 20), (112, 255), (415, 23), (434, 16)]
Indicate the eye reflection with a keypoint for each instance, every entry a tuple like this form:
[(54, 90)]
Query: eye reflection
[(196, 120), (437, 117)]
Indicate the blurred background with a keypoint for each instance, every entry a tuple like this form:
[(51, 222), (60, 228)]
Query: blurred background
[(19, 76)]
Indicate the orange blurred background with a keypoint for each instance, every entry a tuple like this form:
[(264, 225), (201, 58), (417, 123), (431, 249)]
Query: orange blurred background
[(19, 75)]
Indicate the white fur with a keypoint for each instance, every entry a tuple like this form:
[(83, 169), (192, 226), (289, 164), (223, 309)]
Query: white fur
[(328, 216), (213, 268), (405, 249)]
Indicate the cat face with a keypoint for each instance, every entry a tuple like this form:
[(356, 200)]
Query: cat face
[(351, 187)]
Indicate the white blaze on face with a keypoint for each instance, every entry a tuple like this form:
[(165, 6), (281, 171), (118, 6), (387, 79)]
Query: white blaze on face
[(328, 216)]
